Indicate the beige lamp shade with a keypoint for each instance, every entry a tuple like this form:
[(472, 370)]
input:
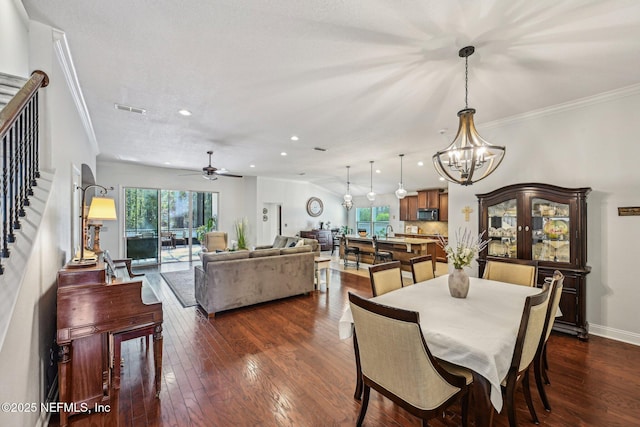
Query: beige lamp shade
[(102, 209)]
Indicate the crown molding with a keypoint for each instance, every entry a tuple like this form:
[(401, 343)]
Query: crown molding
[(63, 53), (566, 106)]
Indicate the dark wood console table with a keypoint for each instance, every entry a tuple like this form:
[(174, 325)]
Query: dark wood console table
[(95, 314)]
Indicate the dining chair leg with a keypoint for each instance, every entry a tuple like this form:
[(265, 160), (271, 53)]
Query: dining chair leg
[(538, 368), (358, 392), (464, 403), (527, 397), (545, 364), (365, 403), (510, 403)]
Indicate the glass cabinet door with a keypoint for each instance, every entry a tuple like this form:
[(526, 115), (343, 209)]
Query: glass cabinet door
[(551, 228), (502, 230)]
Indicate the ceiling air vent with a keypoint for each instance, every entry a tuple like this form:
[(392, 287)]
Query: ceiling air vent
[(319, 149), (130, 109)]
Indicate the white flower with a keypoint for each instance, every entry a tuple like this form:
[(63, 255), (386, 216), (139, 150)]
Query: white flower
[(466, 248)]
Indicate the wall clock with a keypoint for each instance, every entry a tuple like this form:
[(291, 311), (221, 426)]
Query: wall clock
[(314, 206)]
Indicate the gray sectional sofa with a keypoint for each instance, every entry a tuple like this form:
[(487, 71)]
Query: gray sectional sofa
[(287, 242), (229, 280)]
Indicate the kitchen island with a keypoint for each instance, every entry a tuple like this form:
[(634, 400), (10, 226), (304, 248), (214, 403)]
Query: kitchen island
[(402, 248)]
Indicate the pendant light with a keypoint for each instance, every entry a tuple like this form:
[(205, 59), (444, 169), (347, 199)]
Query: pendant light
[(469, 158), (401, 192), (348, 199), (371, 195)]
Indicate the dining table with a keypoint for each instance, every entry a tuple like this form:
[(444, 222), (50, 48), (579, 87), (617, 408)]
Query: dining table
[(477, 332)]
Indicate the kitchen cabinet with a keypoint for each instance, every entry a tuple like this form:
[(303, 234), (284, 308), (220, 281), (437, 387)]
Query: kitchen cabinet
[(409, 208), (545, 223), (444, 207), (429, 199)]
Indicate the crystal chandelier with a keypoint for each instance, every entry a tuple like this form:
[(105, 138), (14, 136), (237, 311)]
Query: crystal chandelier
[(371, 195), (348, 199), (401, 192), (469, 158)]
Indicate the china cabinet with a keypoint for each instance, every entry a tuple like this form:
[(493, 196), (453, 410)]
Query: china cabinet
[(545, 223)]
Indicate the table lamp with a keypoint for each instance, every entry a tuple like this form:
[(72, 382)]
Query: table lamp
[(101, 209), (82, 260)]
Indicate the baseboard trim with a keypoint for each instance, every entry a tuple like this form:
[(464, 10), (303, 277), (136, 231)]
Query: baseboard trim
[(614, 334)]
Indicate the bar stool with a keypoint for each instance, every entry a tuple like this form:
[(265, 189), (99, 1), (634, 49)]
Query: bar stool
[(353, 251), (379, 255)]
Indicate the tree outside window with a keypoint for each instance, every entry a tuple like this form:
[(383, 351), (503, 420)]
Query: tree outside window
[(374, 218)]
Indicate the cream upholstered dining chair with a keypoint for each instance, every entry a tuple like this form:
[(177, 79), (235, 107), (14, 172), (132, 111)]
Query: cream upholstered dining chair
[(539, 363), (215, 241), (385, 277), (516, 271), (527, 341), (395, 361), (422, 268)]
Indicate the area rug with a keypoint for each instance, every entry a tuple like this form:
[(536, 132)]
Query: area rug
[(182, 284)]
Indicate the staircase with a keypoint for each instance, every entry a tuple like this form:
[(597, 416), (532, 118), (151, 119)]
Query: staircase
[(9, 86)]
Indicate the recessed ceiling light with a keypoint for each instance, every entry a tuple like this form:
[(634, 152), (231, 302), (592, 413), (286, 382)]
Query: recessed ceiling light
[(294, 138), (252, 166), (283, 154), (378, 171), (441, 179), (184, 112), (420, 163)]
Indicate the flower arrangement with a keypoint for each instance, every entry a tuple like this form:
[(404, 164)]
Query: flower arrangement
[(466, 248), (241, 232)]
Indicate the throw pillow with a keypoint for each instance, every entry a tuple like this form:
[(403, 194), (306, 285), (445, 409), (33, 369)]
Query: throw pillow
[(300, 243)]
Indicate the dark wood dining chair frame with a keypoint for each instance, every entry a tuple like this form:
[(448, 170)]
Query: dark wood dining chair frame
[(418, 260), (381, 267), (515, 375), (530, 262), (454, 380), (539, 362)]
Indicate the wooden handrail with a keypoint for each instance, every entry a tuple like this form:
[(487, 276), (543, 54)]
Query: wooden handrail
[(11, 111)]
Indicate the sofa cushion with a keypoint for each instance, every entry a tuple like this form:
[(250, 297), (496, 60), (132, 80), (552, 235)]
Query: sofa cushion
[(280, 241), (295, 250), (291, 242), (264, 252), (222, 256)]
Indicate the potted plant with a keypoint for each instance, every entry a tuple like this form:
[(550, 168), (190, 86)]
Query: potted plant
[(241, 232), (210, 225)]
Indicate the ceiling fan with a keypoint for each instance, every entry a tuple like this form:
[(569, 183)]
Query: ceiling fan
[(211, 173)]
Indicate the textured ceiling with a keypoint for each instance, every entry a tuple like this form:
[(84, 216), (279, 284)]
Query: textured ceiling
[(364, 79)]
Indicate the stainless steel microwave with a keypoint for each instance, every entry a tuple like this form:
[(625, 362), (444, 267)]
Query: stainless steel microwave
[(427, 214)]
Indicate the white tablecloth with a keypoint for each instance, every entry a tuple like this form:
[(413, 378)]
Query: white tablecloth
[(477, 332)]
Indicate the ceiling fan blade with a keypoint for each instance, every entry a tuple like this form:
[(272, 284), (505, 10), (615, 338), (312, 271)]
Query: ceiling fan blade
[(227, 174)]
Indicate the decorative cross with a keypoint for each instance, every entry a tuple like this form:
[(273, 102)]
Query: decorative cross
[(466, 211)]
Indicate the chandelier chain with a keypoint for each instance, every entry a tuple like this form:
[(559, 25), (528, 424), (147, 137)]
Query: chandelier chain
[(466, 82)]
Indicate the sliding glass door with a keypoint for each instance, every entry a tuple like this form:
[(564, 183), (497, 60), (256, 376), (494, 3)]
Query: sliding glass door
[(141, 225), (163, 225)]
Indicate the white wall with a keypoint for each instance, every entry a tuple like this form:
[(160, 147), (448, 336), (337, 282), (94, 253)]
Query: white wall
[(120, 175), (25, 354), (293, 197), (14, 39), (591, 143)]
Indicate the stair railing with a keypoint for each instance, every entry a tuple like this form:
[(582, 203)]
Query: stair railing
[(20, 157)]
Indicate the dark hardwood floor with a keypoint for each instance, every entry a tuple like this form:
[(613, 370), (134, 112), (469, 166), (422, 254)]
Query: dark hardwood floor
[(283, 364)]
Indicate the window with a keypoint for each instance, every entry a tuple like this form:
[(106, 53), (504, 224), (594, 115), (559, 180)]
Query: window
[(162, 225), (375, 218)]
